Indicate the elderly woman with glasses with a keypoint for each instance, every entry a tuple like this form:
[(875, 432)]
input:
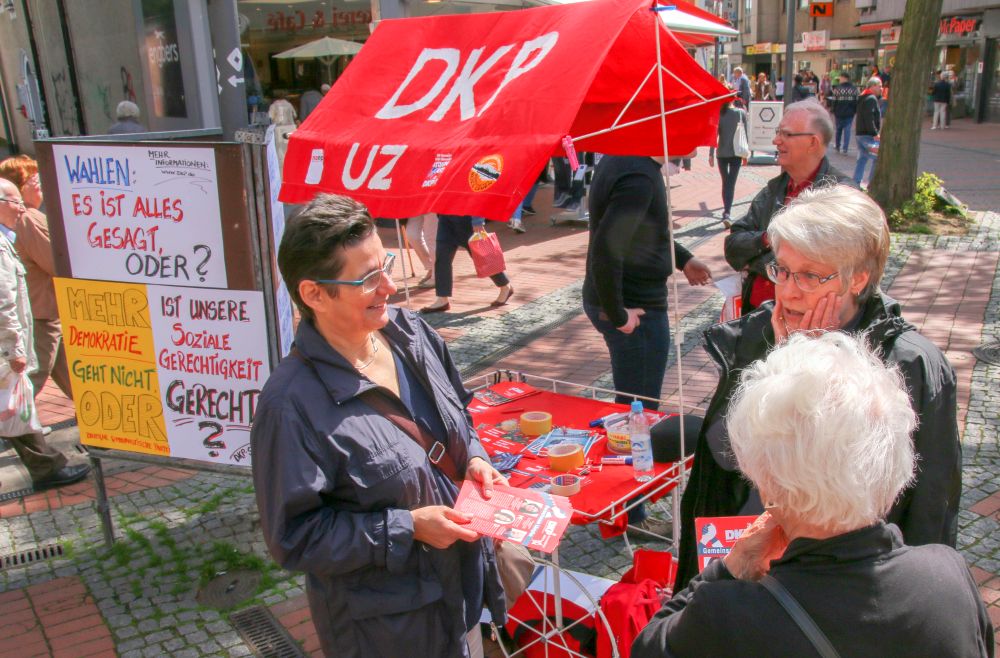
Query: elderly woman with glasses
[(830, 249), (358, 439), (822, 428)]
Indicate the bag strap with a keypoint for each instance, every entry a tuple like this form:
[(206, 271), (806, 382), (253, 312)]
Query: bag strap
[(801, 618), (436, 451), (394, 410)]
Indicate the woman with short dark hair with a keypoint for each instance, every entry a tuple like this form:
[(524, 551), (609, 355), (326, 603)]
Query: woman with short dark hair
[(346, 490)]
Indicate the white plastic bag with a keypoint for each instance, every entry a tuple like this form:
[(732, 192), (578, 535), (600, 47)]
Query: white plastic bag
[(741, 146), (18, 415), (732, 294)]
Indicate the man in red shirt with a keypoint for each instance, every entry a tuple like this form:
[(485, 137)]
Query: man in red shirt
[(803, 135)]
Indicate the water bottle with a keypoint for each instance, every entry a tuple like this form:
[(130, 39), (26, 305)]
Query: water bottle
[(642, 448)]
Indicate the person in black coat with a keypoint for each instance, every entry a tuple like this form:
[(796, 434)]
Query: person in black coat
[(836, 242), (822, 427)]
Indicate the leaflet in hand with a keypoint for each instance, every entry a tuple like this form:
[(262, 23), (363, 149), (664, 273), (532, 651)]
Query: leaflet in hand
[(534, 519), (716, 536)]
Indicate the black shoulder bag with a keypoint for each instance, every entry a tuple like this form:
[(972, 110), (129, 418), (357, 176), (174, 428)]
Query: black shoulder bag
[(800, 617)]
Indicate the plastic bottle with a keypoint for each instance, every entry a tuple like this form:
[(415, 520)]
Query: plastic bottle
[(642, 448)]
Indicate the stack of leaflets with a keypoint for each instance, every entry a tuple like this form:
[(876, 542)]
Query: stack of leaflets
[(583, 438)]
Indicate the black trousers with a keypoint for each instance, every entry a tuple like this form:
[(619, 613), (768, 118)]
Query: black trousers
[(730, 170), (453, 233)]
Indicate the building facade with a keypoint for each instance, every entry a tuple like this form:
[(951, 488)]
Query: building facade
[(188, 64)]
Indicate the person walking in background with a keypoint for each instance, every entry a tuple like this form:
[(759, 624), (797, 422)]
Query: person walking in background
[(46, 467), (453, 233), (742, 86), (421, 233), (730, 119), (867, 126), (844, 105), (34, 247), (282, 115), (800, 91), (825, 87), (127, 115), (762, 91), (941, 95), (779, 89)]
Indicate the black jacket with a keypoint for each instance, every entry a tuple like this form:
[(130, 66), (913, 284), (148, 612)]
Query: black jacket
[(927, 512), (869, 119), (942, 91), (844, 100), (744, 246), (628, 258), (868, 593)]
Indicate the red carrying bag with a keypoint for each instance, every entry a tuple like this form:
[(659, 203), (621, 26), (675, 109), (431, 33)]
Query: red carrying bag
[(486, 253), (631, 603)]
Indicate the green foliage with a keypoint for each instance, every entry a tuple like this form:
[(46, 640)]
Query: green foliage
[(914, 215)]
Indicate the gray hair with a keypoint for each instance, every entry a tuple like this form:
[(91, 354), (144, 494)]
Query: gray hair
[(823, 428), (127, 110), (874, 80), (819, 117), (839, 226)]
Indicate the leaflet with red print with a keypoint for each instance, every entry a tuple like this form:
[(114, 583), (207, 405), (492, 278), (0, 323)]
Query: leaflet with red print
[(534, 519)]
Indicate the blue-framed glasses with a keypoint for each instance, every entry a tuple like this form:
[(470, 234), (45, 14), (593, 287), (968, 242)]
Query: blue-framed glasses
[(370, 282), (806, 281)]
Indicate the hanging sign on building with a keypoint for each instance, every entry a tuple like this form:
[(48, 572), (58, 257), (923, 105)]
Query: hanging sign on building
[(147, 214), (816, 40), (821, 9), (959, 26), (164, 370)]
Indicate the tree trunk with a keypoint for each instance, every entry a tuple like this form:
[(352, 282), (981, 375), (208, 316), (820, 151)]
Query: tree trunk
[(895, 177)]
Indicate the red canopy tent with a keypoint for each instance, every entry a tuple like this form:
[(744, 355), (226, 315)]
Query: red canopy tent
[(457, 114)]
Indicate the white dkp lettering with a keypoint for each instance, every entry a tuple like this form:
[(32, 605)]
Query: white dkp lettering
[(379, 181), (462, 88)]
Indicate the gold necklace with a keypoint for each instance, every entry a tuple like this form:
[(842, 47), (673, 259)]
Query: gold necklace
[(371, 359)]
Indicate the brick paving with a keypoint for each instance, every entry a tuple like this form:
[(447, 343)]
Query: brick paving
[(177, 528)]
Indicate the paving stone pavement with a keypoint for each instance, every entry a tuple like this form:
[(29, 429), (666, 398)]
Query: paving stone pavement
[(178, 528)]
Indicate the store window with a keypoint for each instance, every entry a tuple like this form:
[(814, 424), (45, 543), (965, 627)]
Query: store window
[(270, 29)]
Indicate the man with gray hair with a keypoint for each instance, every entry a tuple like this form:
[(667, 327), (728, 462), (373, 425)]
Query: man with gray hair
[(127, 114), (867, 126), (742, 86), (805, 131)]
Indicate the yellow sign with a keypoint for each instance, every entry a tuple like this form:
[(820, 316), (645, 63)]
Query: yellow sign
[(165, 370), (821, 9), (109, 345)]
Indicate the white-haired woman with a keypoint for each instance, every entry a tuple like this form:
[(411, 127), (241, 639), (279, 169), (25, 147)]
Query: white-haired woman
[(822, 429), (830, 249)]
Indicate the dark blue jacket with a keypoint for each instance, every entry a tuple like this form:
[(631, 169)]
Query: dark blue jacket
[(335, 481)]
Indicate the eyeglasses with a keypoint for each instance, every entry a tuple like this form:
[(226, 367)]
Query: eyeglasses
[(784, 134), (13, 202), (370, 282), (806, 281)]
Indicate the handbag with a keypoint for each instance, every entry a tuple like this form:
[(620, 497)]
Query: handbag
[(741, 147), (486, 253), (801, 618)]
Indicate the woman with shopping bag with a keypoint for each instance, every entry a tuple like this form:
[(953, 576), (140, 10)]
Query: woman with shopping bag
[(18, 419), (733, 151), (453, 232)]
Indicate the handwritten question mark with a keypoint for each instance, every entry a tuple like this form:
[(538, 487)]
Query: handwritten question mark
[(202, 268), (210, 442)]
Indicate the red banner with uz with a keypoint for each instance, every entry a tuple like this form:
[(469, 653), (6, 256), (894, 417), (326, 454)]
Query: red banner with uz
[(458, 114)]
